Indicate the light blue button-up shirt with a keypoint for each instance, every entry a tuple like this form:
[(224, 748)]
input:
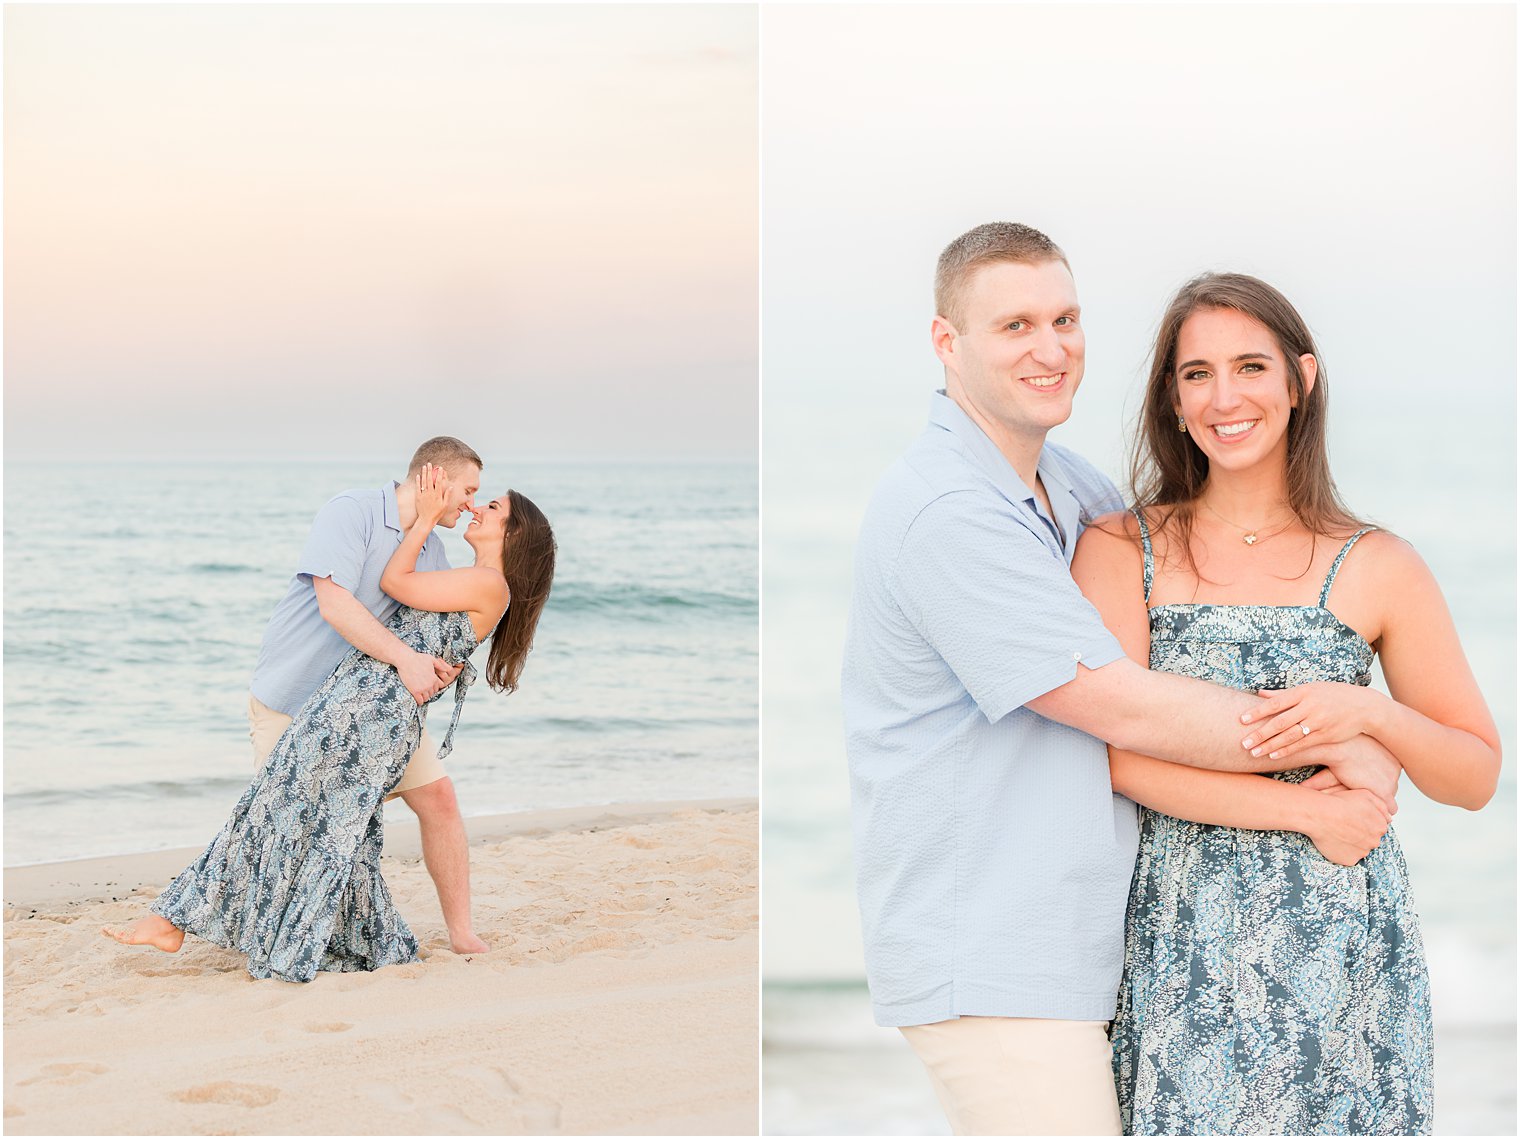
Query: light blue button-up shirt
[(351, 540), (992, 857)]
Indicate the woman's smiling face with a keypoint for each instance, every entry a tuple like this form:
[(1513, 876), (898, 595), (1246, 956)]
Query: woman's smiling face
[(491, 519), (1233, 388)]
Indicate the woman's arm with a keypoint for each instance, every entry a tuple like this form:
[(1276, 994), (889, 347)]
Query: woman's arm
[(1345, 825), (476, 590), (1437, 723)]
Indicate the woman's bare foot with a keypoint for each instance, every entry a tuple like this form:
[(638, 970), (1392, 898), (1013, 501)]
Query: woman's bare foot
[(467, 943), (151, 930)]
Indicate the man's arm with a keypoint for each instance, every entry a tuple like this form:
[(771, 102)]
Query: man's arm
[(1004, 613), (422, 674), (1176, 718), (1171, 717)]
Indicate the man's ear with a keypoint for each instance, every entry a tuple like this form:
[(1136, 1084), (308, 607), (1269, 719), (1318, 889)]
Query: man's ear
[(942, 335)]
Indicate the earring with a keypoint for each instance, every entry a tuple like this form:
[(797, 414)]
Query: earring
[(1182, 425)]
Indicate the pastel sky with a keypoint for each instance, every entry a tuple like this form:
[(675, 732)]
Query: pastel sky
[(1361, 157), (325, 231)]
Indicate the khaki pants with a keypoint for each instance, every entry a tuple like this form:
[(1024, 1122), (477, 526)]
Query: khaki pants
[(266, 726), (1002, 1075)]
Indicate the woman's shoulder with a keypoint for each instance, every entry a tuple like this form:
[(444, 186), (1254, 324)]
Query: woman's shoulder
[(1381, 549), (1112, 538), (1372, 542), (1386, 564), (1124, 525), (491, 583), (1117, 524)]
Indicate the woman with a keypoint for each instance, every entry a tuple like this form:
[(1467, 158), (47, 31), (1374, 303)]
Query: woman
[(1267, 989), (293, 878)]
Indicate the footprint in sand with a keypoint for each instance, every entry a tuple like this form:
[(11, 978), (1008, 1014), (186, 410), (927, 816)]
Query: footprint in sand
[(639, 841), (618, 921), (333, 1026), (171, 971), (606, 939), (502, 1102), (66, 1074), (229, 1092)]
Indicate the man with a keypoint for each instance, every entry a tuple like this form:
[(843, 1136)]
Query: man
[(993, 858), (334, 604)]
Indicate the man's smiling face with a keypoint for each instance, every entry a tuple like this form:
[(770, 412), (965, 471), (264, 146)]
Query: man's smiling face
[(1017, 357), (464, 482)]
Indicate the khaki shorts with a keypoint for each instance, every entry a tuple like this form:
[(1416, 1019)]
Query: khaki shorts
[(266, 726), (1001, 1075)]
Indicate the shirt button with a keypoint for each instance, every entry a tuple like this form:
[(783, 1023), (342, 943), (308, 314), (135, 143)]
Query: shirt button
[(1076, 656)]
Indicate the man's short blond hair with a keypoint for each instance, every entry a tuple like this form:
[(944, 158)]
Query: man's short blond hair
[(443, 451), (986, 245)]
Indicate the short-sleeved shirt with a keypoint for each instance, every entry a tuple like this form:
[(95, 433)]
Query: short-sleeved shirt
[(351, 541), (992, 857)]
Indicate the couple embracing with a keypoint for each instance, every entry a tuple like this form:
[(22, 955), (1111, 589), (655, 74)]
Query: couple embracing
[(374, 627), (1121, 792)]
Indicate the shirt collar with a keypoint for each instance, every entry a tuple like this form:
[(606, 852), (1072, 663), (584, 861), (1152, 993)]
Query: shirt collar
[(1064, 503), (945, 413), (390, 510)]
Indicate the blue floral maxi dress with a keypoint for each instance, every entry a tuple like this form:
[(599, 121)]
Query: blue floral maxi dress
[(1267, 990), (293, 877)]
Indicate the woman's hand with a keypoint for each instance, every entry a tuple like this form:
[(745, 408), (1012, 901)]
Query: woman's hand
[(1324, 712), (1349, 825), (432, 493)]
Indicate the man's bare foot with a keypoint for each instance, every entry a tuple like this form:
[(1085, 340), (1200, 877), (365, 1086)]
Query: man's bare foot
[(151, 930), (467, 943)]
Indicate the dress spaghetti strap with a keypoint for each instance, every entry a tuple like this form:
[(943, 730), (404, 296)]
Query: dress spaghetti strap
[(1335, 566), (1145, 544)]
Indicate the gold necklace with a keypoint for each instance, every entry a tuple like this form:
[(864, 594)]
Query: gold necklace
[(1249, 536)]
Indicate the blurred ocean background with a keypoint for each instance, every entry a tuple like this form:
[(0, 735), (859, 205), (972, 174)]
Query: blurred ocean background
[(827, 1069), (136, 596)]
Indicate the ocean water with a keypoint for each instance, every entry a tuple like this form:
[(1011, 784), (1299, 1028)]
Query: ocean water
[(136, 596), (827, 1069)]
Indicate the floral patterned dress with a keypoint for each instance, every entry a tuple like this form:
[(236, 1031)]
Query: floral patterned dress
[(1267, 990), (293, 877)]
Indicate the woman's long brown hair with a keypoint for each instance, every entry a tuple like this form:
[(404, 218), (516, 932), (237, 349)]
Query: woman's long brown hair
[(1168, 471), (527, 555)]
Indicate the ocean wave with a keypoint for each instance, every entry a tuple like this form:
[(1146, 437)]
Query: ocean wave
[(150, 789), (641, 600), (530, 727)]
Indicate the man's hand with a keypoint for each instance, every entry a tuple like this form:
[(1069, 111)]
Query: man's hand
[(1361, 762), (419, 672), (446, 672), (1349, 825)]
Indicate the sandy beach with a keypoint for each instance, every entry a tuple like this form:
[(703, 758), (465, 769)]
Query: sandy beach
[(620, 996)]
